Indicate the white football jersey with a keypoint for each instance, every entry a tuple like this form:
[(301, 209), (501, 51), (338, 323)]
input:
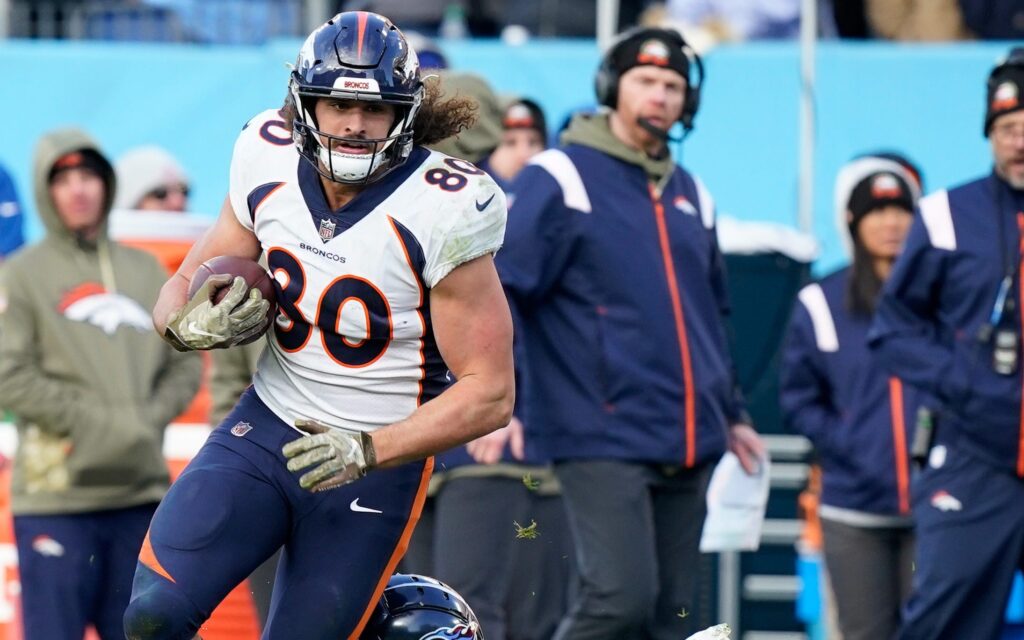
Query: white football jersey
[(352, 345)]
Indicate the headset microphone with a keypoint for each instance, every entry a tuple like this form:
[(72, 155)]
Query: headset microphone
[(657, 132)]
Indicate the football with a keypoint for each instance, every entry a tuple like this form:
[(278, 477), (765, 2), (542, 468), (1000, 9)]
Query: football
[(255, 275)]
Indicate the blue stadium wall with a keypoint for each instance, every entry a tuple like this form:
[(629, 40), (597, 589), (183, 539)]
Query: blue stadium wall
[(926, 100)]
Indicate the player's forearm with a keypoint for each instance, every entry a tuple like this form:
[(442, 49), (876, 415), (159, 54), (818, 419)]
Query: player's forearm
[(472, 407)]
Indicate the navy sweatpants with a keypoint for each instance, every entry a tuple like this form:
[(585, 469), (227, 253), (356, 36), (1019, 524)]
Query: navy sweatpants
[(970, 540), (77, 570), (236, 503)]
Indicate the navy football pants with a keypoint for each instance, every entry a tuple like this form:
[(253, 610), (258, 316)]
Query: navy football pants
[(236, 503)]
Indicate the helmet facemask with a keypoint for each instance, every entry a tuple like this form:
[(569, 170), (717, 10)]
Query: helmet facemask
[(387, 153)]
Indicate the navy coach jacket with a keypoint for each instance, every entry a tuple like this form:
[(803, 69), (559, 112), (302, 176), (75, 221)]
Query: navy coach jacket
[(942, 290), (859, 418), (618, 289)]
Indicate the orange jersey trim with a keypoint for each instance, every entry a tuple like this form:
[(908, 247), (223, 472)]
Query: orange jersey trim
[(419, 310), (400, 548)]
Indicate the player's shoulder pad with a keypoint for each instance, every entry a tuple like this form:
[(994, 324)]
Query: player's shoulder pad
[(266, 129), (461, 185), (561, 167)]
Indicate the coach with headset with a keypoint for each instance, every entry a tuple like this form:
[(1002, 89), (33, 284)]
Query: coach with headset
[(618, 289), (949, 321)]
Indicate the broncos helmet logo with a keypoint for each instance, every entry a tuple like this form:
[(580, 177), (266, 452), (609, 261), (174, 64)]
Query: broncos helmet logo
[(453, 633)]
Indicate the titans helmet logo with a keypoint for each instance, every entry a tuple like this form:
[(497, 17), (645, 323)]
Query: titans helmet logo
[(459, 631)]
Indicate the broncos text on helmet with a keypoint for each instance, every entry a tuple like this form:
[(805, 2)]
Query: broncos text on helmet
[(356, 55), (420, 608)]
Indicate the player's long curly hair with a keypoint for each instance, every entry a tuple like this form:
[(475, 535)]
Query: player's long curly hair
[(439, 117), (442, 117)]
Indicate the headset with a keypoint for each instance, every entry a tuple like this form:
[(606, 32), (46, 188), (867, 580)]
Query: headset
[(606, 82)]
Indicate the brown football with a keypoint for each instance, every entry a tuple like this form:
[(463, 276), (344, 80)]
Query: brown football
[(253, 272)]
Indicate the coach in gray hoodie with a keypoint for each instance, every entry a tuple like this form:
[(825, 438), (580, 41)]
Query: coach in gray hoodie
[(91, 387)]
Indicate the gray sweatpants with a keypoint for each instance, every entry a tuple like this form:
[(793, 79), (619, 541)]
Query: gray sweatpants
[(637, 530), (518, 587), (870, 569)]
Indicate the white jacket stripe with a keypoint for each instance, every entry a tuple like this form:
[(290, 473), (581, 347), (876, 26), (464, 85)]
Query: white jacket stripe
[(938, 220), (707, 204), (813, 299), (561, 168)]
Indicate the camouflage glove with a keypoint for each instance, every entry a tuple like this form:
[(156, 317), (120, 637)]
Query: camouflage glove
[(202, 324), (343, 455)]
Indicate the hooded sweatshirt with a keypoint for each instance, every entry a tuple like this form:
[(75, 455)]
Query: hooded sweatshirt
[(618, 288), (90, 384)]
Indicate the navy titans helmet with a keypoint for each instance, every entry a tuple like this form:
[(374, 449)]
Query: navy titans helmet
[(421, 608), (355, 55)]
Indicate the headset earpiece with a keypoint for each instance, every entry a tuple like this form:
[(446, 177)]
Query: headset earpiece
[(606, 81)]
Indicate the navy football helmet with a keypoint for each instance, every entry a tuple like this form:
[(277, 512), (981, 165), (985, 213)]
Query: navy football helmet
[(356, 55), (421, 608)]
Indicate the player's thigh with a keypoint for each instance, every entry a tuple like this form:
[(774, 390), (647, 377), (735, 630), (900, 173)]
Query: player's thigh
[(219, 521), (341, 552)]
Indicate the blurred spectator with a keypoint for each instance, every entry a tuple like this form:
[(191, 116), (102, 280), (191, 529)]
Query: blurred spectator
[(935, 20), (150, 179), (445, 18), (850, 18), (477, 142), (707, 22), (739, 19), (859, 419), (524, 135), (430, 54), (994, 19), (91, 388), (949, 322), (616, 280), (11, 232), (487, 18)]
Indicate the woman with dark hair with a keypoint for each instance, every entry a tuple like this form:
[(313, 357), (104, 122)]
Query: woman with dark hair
[(858, 418)]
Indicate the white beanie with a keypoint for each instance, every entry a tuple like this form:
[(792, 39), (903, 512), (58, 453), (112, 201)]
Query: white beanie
[(143, 169)]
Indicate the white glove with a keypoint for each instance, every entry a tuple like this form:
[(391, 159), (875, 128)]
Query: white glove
[(343, 455), (717, 632), (201, 324)]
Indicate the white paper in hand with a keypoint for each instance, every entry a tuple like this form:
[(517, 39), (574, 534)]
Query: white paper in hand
[(717, 632), (736, 505)]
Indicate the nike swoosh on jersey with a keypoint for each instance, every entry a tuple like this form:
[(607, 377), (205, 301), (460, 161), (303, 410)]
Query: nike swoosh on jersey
[(354, 505), (481, 207)]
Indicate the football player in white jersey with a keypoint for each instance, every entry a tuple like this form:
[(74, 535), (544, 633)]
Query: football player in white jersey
[(382, 255)]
